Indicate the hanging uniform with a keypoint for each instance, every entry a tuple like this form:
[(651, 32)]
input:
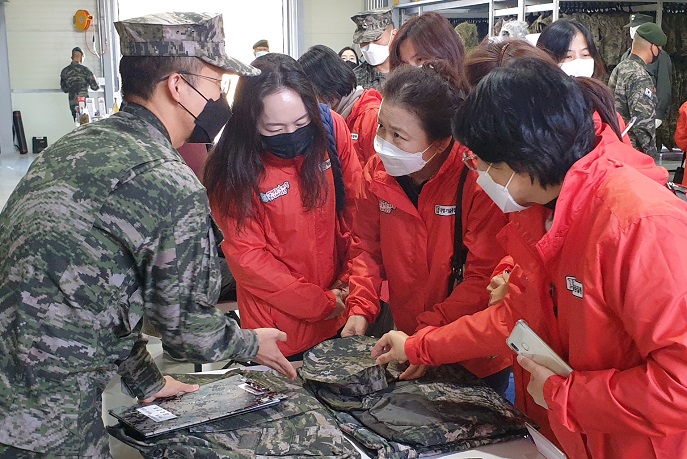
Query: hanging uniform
[(588, 279), (286, 258), (411, 247)]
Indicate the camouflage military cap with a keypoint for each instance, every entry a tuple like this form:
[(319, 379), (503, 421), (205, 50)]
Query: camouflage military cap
[(652, 33), (344, 365), (261, 44), (371, 24), (514, 29), (638, 19), (177, 34)]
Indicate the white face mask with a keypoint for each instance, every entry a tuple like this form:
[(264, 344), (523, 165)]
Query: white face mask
[(498, 193), (375, 54), (398, 162), (261, 53), (578, 67)]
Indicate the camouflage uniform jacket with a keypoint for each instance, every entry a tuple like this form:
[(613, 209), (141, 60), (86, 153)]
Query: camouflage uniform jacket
[(75, 80), (661, 72), (368, 76), (635, 95), (107, 225)]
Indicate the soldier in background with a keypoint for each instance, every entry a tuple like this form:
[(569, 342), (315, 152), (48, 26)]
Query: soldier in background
[(261, 47), (661, 71), (75, 80), (374, 33), (635, 93), (109, 226)]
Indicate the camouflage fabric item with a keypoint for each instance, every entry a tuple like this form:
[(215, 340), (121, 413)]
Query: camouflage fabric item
[(180, 35), (107, 226), (661, 73), (449, 409), (513, 29), (468, 35), (635, 95), (295, 428), (344, 365), (368, 76), (75, 79), (371, 24)]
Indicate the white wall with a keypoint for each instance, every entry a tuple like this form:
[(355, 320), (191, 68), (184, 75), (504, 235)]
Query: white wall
[(40, 37), (328, 22)]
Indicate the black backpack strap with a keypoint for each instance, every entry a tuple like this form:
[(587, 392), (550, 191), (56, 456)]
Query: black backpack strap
[(460, 252), (339, 189)]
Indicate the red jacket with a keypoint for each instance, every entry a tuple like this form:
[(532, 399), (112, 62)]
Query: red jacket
[(606, 288), (412, 249), (362, 123), (285, 259), (681, 132)]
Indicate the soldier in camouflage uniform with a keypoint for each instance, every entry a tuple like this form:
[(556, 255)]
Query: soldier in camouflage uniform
[(109, 225), (75, 80), (661, 71), (635, 92), (374, 33)]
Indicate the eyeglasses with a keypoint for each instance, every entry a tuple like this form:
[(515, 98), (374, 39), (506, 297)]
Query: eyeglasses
[(470, 160), (223, 83)]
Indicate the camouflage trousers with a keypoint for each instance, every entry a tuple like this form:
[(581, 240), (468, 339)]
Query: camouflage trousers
[(102, 450)]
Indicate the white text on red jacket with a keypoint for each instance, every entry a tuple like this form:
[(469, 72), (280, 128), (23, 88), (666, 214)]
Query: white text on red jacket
[(386, 207), (276, 192)]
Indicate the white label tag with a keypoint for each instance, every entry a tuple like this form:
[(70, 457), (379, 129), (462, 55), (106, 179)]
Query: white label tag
[(156, 413), (250, 389), (445, 211), (354, 136)]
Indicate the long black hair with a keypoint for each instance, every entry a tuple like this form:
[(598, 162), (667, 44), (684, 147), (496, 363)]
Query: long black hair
[(235, 166), (330, 76), (558, 36)]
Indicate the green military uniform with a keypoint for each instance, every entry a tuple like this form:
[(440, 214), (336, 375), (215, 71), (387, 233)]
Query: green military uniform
[(370, 25), (368, 76), (635, 96), (109, 225), (75, 80), (661, 70)]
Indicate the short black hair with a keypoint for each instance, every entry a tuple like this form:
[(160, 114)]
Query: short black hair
[(331, 77), (141, 74), (529, 115)]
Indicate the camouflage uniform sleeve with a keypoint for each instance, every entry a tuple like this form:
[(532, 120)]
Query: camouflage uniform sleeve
[(641, 102), (140, 375), (174, 251), (63, 81), (92, 82), (663, 85)]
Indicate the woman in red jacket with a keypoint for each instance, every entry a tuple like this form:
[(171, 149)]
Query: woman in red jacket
[(284, 201), (335, 85), (407, 211), (599, 287)]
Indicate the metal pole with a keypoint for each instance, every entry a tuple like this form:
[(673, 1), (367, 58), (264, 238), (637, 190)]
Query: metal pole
[(6, 141)]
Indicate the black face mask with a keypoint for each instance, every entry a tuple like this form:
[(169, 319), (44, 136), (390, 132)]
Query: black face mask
[(214, 116), (289, 145), (351, 64)]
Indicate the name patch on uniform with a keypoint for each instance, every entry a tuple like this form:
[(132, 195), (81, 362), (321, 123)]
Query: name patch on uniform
[(386, 207), (276, 192), (326, 165), (354, 136), (574, 286), (648, 93), (445, 211)]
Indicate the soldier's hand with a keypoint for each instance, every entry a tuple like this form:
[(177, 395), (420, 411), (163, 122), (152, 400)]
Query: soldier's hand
[(391, 346), (171, 388), (356, 325), (270, 355), (340, 304), (413, 372)]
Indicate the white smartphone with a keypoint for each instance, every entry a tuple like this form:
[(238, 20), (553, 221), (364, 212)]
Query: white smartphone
[(526, 342)]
